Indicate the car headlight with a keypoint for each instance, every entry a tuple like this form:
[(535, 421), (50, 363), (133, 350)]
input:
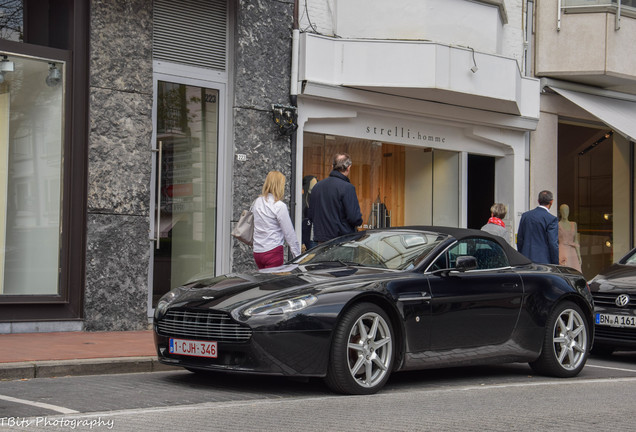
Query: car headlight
[(281, 306), (166, 300)]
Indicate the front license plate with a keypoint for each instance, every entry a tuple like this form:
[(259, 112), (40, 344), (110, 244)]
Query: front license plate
[(615, 320), (193, 348)]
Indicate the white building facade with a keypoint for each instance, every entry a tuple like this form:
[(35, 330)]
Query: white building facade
[(431, 99), (583, 147)]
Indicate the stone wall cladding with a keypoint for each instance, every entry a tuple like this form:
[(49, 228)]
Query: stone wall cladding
[(119, 165), (117, 256), (261, 78), (119, 152)]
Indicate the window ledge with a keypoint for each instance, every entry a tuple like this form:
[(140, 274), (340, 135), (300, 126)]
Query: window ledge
[(626, 11)]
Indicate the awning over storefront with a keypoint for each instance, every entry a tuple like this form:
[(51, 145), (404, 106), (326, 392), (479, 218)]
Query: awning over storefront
[(619, 114)]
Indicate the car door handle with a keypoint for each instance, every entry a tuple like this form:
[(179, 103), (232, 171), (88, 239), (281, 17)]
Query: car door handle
[(414, 296), (510, 285)]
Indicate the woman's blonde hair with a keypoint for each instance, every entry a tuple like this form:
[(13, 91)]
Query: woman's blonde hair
[(274, 184)]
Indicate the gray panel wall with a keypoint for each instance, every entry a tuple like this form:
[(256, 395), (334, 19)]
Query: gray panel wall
[(261, 78), (119, 165), (119, 170)]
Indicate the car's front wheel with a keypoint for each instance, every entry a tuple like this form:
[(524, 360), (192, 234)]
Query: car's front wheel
[(566, 342), (362, 355)]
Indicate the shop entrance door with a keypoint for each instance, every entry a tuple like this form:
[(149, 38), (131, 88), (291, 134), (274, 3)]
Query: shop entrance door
[(481, 189), (185, 184)]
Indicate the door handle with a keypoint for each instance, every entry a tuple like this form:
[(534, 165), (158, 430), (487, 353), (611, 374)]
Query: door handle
[(159, 151), (510, 285), (414, 296)]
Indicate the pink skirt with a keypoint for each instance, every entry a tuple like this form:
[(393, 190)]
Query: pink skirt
[(271, 258)]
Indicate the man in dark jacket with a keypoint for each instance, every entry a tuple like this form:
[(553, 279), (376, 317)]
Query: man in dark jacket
[(333, 208), (538, 235)]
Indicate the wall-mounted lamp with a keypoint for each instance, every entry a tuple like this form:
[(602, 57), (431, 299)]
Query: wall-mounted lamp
[(285, 118), (5, 66), (607, 216), (54, 77)]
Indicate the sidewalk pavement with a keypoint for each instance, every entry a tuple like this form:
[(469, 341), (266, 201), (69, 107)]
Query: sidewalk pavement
[(38, 355)]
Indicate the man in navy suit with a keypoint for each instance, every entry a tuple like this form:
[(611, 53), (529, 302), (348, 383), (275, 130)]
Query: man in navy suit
[(333, 205), (538, 235)]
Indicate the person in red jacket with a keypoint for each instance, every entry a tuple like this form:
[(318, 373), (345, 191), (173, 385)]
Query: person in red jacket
[(333, 208)]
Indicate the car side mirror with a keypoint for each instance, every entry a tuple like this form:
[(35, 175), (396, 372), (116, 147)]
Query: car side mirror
[(465, 262)]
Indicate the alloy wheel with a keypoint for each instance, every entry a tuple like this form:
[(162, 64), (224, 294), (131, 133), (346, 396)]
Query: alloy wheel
[(369, 349), (570, 339)]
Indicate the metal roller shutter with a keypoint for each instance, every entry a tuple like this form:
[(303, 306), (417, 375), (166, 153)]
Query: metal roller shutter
[(191, 32)]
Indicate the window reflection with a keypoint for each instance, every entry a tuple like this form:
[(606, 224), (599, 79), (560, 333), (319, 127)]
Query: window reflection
[(11, 20)]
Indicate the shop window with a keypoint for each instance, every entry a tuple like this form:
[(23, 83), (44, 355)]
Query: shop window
[(396, 185), (593, 185), (31, 145), (377, 173), (43, 139)]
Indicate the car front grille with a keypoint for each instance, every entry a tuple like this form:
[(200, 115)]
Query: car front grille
[(615, 333), (216, 326), (609, 300)]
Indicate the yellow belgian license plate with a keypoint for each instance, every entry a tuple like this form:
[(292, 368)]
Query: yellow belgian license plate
[(193, 348), (615, 320)]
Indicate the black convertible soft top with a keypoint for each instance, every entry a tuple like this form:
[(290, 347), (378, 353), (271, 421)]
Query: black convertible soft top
[(514, 257)]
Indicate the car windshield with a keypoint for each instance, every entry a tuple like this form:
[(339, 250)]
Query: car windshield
[(630, 259), (395, 250)]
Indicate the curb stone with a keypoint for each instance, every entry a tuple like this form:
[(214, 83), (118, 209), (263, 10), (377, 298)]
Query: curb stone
[(99, 366)]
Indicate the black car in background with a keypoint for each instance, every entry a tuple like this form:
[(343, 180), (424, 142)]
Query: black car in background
[(614, 292), (360, 307)]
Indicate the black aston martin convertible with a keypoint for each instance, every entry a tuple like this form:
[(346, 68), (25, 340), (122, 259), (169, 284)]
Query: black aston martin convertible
[(357, 308)]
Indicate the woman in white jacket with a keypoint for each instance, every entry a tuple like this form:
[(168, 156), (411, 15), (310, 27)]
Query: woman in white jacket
[(272, 224)]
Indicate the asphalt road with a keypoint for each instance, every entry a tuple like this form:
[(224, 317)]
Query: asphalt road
[(492, 398)]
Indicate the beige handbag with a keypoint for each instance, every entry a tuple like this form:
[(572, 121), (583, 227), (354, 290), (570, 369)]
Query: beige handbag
[(244, 228)]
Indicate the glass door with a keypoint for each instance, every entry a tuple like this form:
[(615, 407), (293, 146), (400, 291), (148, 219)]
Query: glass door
[(185, 192)]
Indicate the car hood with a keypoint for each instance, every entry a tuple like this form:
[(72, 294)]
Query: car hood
[(618, 277), (234, 290)]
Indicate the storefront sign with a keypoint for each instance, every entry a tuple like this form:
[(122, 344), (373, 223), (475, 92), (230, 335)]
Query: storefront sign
[(403, 133)]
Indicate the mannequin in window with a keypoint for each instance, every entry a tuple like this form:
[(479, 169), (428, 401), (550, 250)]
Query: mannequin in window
[(309, 181), (569, 248)]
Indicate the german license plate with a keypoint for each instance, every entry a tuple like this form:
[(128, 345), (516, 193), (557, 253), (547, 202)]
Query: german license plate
[(193, 348), (615, 320)]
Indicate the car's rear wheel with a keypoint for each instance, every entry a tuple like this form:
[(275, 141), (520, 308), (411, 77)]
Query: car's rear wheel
[(362, 355), (566, 342)]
